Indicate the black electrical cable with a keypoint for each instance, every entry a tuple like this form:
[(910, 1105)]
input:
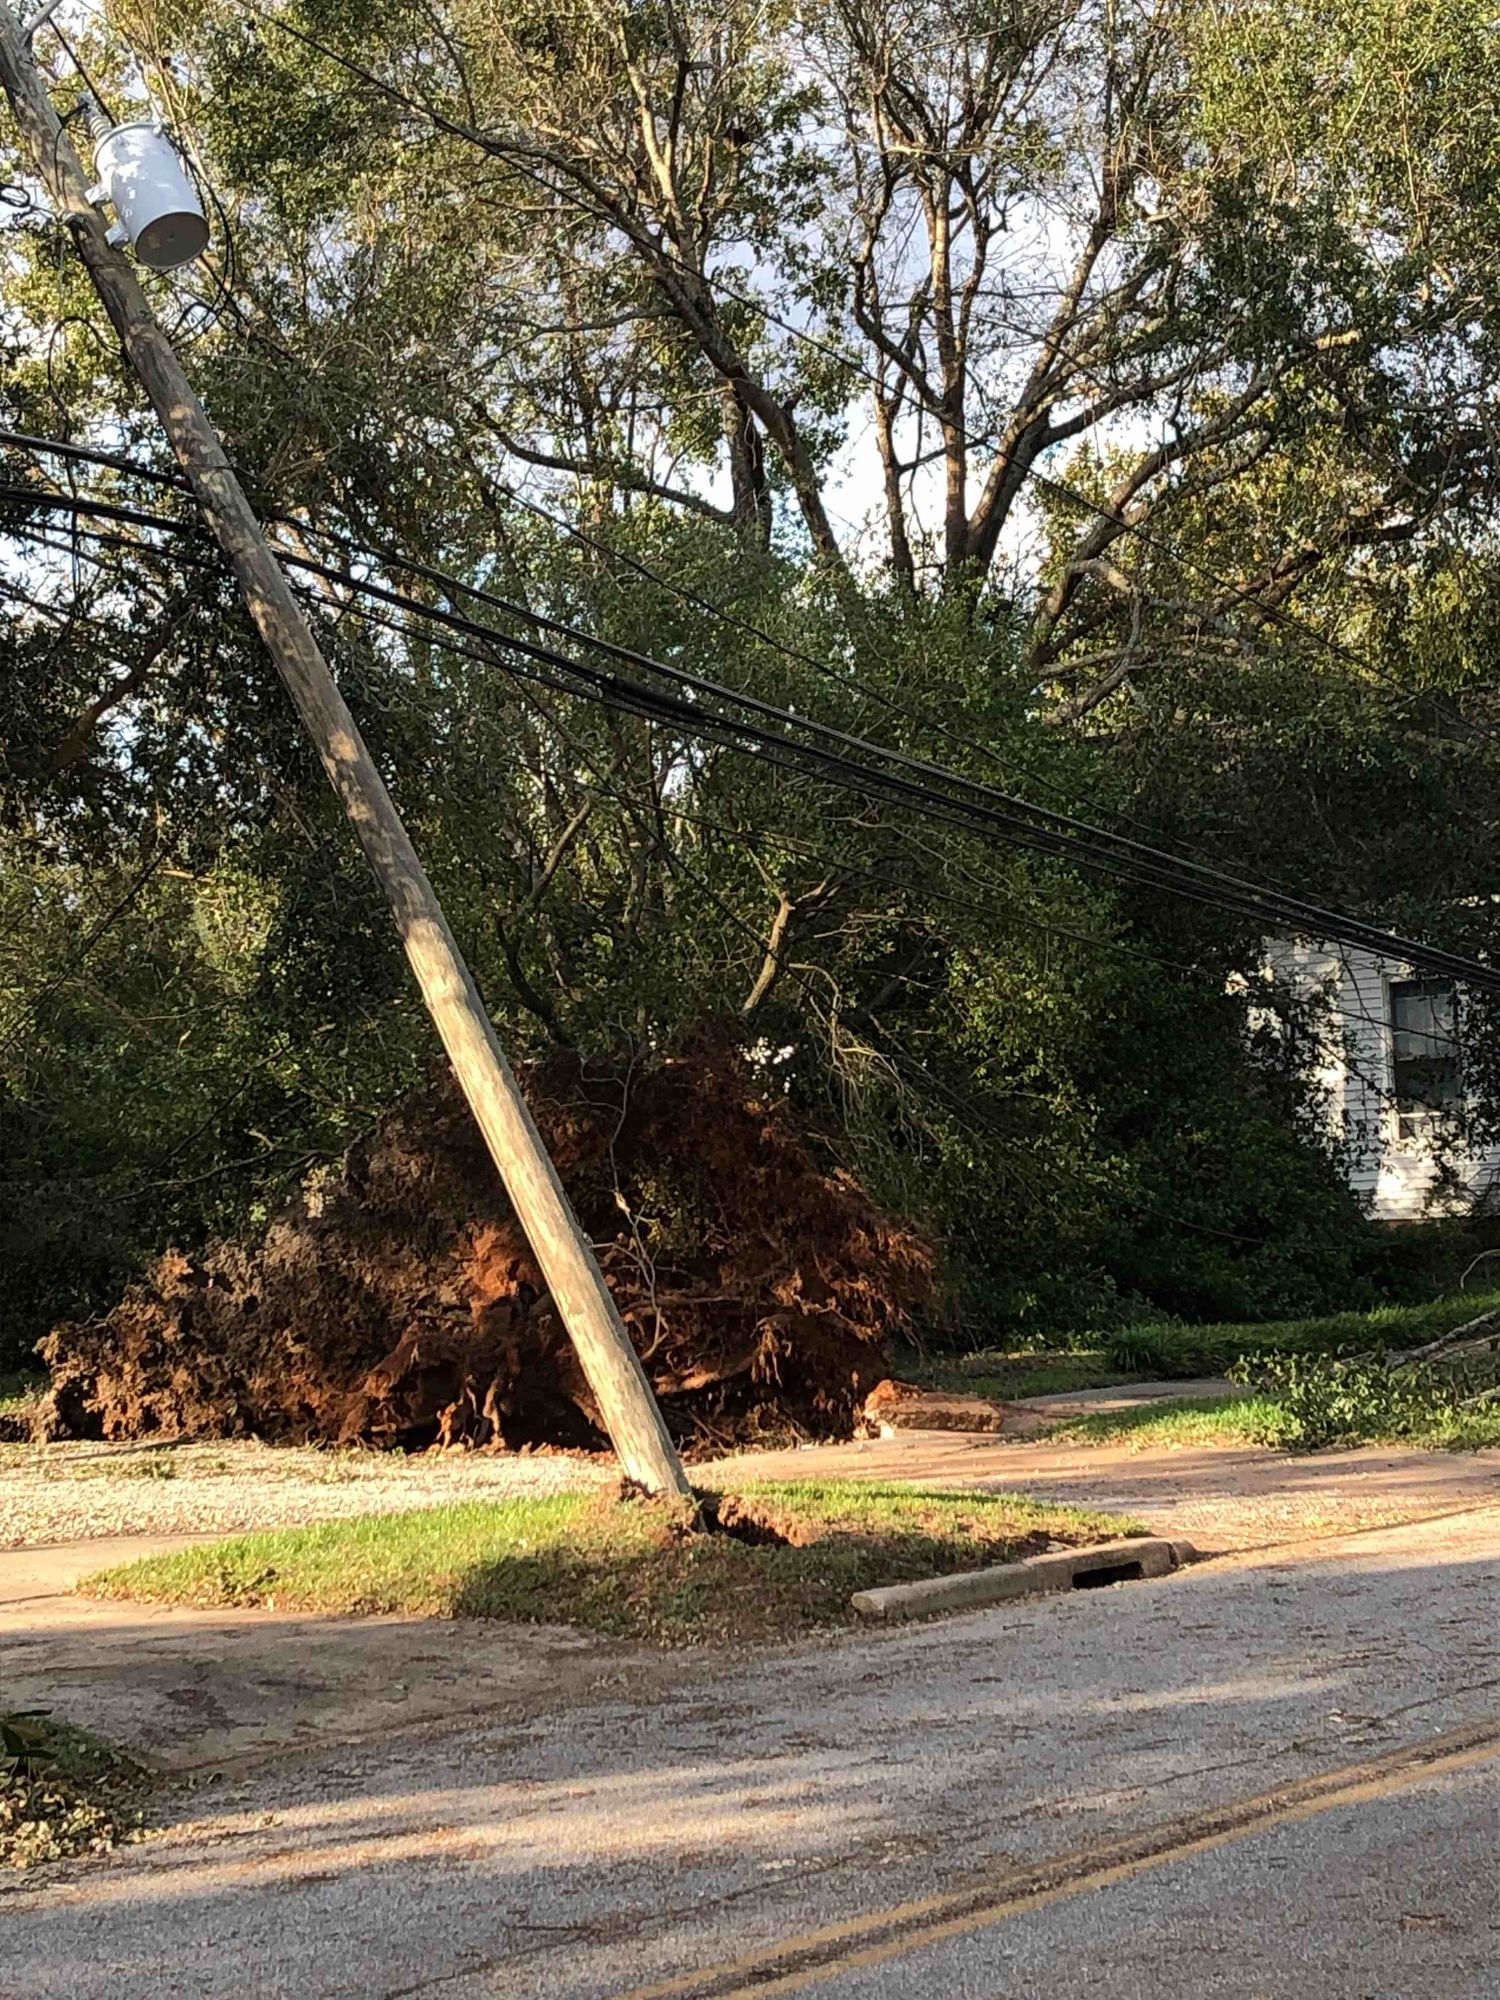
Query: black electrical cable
[(733, 732), (1024, 824), (848, 683), (90, 455), (713, 729), (1029, 825), (176, 480), (485, 656), (77, 61), (961, 1106)]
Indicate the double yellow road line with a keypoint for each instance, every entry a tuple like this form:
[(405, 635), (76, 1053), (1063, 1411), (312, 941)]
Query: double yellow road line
[(798, 1963)]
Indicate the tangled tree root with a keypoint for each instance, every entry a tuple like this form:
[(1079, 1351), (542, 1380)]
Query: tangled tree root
[(395, 1302)]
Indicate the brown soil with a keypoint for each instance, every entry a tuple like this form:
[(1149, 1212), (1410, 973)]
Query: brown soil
[(395, 1302)]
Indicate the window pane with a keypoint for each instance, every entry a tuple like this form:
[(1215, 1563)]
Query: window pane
[(1424, 1053)]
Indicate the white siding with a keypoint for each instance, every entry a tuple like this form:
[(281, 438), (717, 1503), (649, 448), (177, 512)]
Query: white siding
[(1396, 1176)]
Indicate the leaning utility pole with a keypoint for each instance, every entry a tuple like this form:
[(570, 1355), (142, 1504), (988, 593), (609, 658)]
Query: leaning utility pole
[(562, 1250)]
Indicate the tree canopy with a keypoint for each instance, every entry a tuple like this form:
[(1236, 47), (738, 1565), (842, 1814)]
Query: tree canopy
[(1094, 397)]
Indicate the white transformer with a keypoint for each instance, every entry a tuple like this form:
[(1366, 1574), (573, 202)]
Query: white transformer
[(160, 214)]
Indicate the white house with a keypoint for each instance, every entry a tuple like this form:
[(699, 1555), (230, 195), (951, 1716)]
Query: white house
[(1391, 1072)]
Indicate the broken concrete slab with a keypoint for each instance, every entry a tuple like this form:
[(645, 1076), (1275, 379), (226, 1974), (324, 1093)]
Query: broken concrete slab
[(902, 1406)]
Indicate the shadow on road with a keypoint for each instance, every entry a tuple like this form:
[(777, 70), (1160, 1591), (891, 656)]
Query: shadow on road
[(570, 1818)]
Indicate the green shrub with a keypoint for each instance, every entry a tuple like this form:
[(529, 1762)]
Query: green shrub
[(1323, 1400), (1149, 1350)]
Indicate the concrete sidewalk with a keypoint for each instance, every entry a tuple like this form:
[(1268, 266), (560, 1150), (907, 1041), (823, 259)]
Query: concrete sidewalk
[(613, 1820), (193, 1691)]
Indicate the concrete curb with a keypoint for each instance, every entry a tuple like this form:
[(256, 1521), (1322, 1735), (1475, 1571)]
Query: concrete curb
[(1068, 1569)]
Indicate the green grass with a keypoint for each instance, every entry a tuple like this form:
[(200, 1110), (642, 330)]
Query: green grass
[(629, 1568), (1169, 1351), (1189, 1421), (1176, 1424), (1012, 1377), (1210, 1350)]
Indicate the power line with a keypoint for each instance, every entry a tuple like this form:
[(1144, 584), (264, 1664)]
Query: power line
[(1125, 855), (485, 654), (967, 803), (962, 1107), (510, 153), (845, 681), (748, 628)]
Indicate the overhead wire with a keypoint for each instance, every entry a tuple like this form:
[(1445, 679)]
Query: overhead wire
[(959, 1104), (836, 752), (490, 640), (1265, 610), (847, 682), (498, 148), (1056, 487), (997, 806), (127, 465), (839, 863), (1015, 820)]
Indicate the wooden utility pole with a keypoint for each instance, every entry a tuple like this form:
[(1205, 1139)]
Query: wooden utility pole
[(562, 1250)]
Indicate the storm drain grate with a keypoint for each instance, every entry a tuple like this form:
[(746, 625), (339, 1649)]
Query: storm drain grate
[(1106, 1574)]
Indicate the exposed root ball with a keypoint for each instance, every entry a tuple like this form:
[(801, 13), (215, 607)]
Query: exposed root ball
[(395, 1301)]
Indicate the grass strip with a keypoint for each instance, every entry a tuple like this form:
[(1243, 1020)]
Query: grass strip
[(1172, 1351), (786, 1564), (1186, 1422)]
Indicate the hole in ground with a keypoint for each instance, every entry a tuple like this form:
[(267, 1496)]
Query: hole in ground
[(1107, 1573), (727, 1514)]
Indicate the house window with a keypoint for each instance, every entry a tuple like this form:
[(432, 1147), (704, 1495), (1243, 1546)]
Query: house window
[(1424, 1054)]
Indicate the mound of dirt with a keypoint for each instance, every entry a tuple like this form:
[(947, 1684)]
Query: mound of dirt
[(395, 1302)]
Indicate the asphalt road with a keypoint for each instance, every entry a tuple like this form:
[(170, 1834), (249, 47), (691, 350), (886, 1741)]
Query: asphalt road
[(1280, 1772), (1389, 1899)]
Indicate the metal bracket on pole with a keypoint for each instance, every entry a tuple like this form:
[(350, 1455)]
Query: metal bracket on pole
[(39, 19)]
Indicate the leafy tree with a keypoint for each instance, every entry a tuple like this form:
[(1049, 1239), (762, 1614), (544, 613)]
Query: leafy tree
[(585, 306)]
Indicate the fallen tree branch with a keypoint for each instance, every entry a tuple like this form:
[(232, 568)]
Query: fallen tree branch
[(1479, 1330)]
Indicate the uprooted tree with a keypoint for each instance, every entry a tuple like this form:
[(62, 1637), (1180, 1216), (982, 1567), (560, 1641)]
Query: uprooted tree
[(615, 363), (395, 1301)]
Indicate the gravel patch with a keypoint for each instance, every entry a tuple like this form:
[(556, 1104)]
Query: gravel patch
[(73, 1492)]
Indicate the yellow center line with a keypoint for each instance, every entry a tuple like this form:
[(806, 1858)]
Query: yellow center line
[(812, 1957)]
